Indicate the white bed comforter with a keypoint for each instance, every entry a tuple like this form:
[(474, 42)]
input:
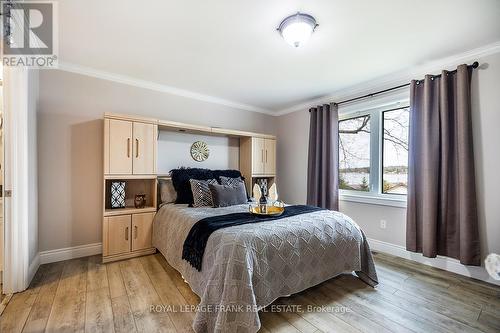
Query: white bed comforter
[(249, 266)]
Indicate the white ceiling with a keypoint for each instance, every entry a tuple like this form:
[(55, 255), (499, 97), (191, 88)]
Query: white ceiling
[(229, 49)]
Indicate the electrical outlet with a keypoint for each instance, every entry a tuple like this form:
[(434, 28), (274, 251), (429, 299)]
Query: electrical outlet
[(383, 224)]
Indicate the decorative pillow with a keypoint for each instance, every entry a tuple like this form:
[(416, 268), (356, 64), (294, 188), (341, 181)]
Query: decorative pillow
[(227, 173), (257, 192), (230, 181), (180, 180), (201, 192), (225, 195), (167, 191), (273, 192), (181, 177)]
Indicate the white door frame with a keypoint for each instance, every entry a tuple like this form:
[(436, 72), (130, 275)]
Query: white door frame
[(16, 240)]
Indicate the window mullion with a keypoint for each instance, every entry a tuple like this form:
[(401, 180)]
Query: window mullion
[(375, 152)]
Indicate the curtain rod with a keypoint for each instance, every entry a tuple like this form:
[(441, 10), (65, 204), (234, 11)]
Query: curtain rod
[(475, 64)]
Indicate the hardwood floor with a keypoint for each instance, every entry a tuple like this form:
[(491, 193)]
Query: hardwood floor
[(85, 295)]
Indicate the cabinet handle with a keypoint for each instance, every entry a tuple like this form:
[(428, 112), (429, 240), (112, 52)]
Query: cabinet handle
[(126, 233), (136, 148), (128, 147), (262, 155), (135, 232), (266, 155)]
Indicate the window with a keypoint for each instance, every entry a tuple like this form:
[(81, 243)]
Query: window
[(354, 151), (373, 153), (395, 151)]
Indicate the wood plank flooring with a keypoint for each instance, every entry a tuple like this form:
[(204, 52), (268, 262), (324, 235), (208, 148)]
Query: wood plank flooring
[(84, 295)]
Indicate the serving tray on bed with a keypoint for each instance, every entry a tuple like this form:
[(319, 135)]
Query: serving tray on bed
[(272, 210)]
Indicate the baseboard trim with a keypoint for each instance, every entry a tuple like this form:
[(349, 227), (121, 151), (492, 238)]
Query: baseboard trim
[(35, 264), (47, 257), (448, 264)]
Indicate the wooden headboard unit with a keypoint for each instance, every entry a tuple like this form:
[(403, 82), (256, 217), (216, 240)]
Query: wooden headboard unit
[(130, 157)]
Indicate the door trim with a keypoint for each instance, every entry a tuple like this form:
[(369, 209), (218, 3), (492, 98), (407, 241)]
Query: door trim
[(17, 210)]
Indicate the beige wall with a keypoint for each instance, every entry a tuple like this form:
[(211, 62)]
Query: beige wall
[(70, 112), (293, 134)]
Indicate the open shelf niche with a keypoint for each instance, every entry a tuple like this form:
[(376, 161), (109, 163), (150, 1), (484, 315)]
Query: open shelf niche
[(132, 187)]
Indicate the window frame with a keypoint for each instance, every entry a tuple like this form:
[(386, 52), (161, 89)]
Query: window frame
[(382, 125), (373, 168), (375, 194)]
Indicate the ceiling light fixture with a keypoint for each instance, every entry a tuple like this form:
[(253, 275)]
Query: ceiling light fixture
[(297, 29)]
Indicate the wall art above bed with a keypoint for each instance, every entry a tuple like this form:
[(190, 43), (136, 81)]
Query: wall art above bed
[(200, 151)]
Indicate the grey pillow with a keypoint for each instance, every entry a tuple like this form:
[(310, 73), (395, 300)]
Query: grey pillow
[(167, 191), (230, 181), (225, 195), (201, 193)]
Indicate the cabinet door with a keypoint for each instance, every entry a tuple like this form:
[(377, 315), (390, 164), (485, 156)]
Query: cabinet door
[(119, 231), (270, 157), (142, 229), (258, 156), (144, 149), (120, 146)]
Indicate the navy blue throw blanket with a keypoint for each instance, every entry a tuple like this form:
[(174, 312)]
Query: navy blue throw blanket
[(196, 241)]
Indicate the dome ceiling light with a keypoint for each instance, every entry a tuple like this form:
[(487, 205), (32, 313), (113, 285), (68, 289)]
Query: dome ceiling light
[(297, 29)]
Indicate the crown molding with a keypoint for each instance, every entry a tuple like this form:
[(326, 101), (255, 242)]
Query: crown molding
[(131, 81), (382, 82), (396, 78)]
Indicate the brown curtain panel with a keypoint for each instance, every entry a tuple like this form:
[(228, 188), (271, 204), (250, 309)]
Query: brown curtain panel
[(442, 210), (322, 170)]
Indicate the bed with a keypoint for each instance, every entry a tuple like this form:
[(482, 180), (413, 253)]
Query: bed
[(247, 267)]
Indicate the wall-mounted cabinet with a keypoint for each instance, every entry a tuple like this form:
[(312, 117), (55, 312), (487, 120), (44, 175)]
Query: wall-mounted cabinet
[(269, 157), (129, 147), (257, 159), (258, 156)]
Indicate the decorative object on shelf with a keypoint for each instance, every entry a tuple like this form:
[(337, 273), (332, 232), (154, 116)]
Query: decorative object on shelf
[(263, 201), (277, 208), (117, 194), (140, 201), (273, 192), (199, 151), (262, 184), (296, 29), (492, 264), (256, 192)]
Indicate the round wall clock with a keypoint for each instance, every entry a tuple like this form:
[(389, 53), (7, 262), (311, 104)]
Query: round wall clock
[(199, 151)]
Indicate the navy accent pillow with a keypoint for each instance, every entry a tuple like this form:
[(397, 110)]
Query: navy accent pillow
[(180, 180)]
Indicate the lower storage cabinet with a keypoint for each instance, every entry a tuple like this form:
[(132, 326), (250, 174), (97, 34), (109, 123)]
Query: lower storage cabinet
[(127, 236)]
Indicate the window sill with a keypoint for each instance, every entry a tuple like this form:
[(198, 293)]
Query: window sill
[(374, 199)]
